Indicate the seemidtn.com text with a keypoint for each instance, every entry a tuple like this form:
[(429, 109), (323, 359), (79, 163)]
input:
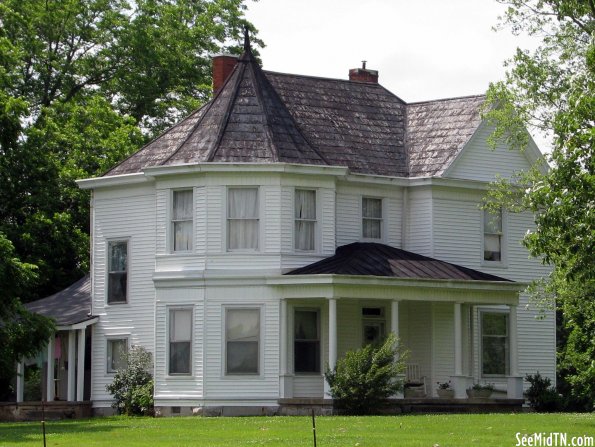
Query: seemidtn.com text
[(554, 439)]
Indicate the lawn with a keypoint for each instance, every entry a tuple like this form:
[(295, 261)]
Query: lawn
[(419, 430)]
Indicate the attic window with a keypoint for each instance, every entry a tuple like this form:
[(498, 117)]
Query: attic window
[(371, 218), (182, 220), (492, 236)]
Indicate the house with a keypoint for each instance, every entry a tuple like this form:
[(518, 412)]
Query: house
[(293, 218)]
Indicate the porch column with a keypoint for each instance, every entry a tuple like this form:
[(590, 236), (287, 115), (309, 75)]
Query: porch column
[(50, 387), (394, 317), (459, 382), (515, 382), (332, 340), (71, 366), (285, 380), (20, 381), (80, 378)]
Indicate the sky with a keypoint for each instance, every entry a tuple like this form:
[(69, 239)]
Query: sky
[(422, 49)]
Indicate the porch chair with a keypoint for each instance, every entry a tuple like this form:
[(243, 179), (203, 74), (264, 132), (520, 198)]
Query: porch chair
[(415, 383)]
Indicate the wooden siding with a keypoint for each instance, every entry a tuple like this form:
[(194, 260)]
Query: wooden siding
[(442, 344), (419, 223)]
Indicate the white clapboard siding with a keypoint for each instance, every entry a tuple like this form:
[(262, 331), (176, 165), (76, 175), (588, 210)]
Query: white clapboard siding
[(416, 334), (201, 221), (349, 219), (478, 162), (393, 213), (287, 219), (216, 218), (327, 221), (419, 222), (272, 219), (132, 218), (161, 220), (443, 344)]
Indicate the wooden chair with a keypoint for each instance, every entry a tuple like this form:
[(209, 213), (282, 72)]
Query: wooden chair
[(414, 381)]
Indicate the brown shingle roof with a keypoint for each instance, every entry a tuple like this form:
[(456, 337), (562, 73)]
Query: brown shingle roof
[(268, 117), (371, 259)]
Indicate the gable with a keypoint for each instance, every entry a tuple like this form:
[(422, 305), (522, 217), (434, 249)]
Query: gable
[(477, 161)]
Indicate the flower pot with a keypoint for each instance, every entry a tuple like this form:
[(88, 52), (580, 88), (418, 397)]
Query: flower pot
[(445, 393), (481, 394)]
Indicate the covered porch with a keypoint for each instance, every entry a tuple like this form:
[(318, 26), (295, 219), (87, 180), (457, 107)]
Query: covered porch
[(458, 325)]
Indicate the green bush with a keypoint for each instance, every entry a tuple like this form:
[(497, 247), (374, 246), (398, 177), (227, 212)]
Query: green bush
[(32, 390), (364, 379), (542, 396), (133, 385)]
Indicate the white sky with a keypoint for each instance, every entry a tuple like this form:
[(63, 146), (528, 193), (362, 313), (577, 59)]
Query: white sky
[(422, 49)]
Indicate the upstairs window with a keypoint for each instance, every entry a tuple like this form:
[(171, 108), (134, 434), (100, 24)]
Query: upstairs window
[(492, 236), (180, 340), (117, 265), (305, 219), (182, 210), (306, 348), (494, 344), (371, 218), (242, 338), (242, 219)]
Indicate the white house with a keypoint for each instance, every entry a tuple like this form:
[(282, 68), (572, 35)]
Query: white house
[(293, 218)]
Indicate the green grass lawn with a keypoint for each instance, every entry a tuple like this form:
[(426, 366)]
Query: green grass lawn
[(419, 430)]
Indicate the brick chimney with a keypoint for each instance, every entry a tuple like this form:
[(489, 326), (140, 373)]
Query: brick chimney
[(223, 65), (363, 74)]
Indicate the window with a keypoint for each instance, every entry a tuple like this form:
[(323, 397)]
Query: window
[(180, 340), (242, 339), (492, 236), (305, 219), (242, 219), (306, 349), (494, 343), (181, 220), (371, 218), (373, 325), (117, 260), (117, 349)]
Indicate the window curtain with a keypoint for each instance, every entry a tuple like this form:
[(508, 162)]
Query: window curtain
[(182, 220), (371, 218), (305, 219), (242, 214)]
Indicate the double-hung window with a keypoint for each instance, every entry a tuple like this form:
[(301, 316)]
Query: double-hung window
[(181, 220), (494, 344), (371, 218), (180, 341), (117, 350), (492, 236), (242, 340), (117, 264), (306, 348), (242, 219), (305, 219)]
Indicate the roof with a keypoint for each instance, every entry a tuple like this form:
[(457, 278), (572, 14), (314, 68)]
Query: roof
[(372, 259), (67, 307), (267, 117)]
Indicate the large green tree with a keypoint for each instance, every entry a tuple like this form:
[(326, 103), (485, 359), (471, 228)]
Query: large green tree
[(553, 89), (83, 83)]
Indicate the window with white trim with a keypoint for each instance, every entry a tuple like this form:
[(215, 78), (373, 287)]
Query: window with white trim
[(242, 341), (371, 218), (181, 220), (117, 350), (242, 219), (306, 347), (180, 341), (305, 219), (494, 344), (117, 265), (492, 235)]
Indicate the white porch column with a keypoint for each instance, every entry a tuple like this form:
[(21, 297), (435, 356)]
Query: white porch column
[(285, 379), (50, 387), (394, 317), (20, 381), (332, 340), (515, 382), (71, 366), (459, 382), (80, 377)]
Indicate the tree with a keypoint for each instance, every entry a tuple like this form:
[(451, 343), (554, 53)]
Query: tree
[(84, 83), (553, 88)]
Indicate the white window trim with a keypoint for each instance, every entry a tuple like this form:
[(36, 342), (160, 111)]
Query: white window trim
[(503, 262), (168, 310), (109, 338), (319, 317), (261, 213), (482, 311), (128, 241), (382, 220), (317, 242), (170, 227), (261, 339)]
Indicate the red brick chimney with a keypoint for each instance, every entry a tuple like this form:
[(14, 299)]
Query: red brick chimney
[(363, 74), (223, 65)]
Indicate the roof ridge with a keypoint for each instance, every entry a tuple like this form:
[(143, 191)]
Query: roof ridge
[(452, 98), (267, 124)]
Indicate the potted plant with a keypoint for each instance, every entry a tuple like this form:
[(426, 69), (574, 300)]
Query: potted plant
[(480, 391), (445, 391)]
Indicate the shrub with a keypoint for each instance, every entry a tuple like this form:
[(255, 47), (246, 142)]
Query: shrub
[(32, 390), (132, 386), (364, 379), (542, 396)]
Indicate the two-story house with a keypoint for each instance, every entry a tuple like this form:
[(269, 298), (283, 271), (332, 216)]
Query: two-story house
[(293, 218)]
